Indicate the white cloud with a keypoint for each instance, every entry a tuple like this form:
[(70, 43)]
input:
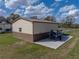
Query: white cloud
[(68, 10), (61, 0), (39, 10), (58, 0), (32, 1), (19, 11), (27, 8), (15, 3), (0, 0), (10, 3), (75, 11), (2, 12)]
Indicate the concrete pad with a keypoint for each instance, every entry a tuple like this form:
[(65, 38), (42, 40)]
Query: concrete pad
[(53, 43)]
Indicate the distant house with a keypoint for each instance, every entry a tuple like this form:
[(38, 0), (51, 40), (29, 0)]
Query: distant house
[(5, 26), (33, 30)]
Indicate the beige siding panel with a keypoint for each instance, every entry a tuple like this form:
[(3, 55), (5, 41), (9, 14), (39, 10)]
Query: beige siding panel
[(44, 27), (27, 27), (53, 26)]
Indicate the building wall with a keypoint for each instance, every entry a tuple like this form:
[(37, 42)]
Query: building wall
[(27, 27), (24, 36), (7, 26), (4, 26), (32, 31), (44, 27), (41, 30)]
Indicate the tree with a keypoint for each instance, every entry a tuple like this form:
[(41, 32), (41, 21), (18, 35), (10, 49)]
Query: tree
[(13, 17), (2, 18), (62, 23), (50, 18), (70, 20), (34, 17)]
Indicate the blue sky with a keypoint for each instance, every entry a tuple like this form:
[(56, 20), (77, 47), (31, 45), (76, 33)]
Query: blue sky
[(41, 8)]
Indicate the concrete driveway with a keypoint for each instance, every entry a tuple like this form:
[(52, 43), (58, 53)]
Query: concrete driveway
[(53, 43)]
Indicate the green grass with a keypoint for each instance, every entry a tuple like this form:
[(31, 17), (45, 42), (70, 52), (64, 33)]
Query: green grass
[(74, 53), (67, 32), (7, 39), (36, 51), (25, 50), (32, 49)]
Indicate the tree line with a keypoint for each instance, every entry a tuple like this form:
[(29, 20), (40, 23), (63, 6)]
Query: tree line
[(14, 17), (66, 22)]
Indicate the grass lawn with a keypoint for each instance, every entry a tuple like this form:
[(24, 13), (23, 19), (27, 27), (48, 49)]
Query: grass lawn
[(12, 48), (7, 39), (74, 53)]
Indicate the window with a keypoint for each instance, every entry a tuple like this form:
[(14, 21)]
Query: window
[(0, 22), (0, 28), (8, 30), (20, 29)]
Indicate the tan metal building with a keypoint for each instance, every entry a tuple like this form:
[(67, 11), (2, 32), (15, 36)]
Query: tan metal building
[(33, 30)]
